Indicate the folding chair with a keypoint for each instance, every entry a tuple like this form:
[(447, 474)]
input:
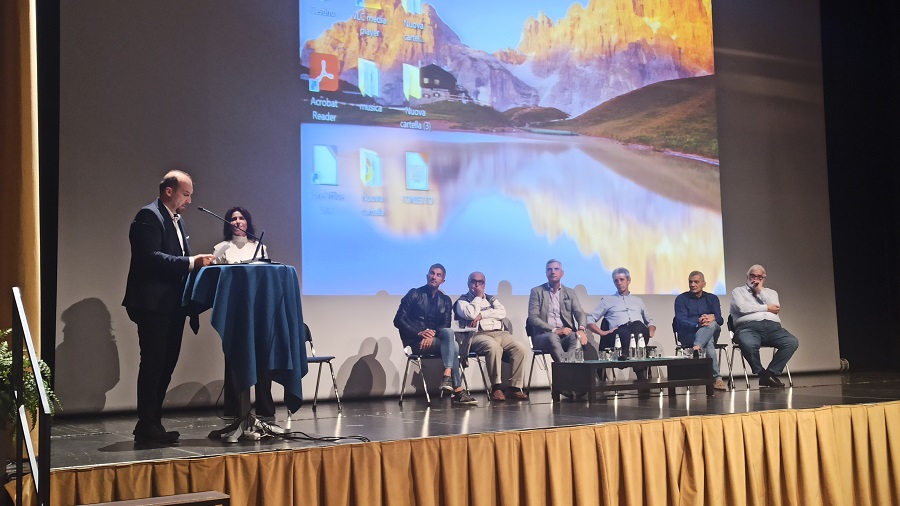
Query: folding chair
[(414, 358), (464, 337), (535, 353), (735, 346), (312, 358)]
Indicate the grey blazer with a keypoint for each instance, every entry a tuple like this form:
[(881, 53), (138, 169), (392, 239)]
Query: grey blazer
[(571, 313)]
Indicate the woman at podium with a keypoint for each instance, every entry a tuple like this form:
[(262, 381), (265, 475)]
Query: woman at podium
[(238, 248)]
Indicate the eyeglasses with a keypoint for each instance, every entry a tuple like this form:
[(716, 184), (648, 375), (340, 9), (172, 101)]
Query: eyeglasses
[(757, 276), (476, 281)]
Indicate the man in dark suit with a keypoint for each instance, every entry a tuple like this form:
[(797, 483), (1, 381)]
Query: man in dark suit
[(555, 317), (160, 262)]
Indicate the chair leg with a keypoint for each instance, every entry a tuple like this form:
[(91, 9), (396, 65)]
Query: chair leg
[(403, 383), (424, 385), (731, 370), (790, 380), (316, 394), (487, 387), (547, 370), (530, 373), (729, 366), (333, 382), (746, 376)]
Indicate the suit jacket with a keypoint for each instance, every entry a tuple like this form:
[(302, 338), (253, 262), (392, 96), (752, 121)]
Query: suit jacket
[(158, 269), (571, 313)]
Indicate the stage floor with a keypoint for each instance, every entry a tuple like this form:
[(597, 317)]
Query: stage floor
[(100, 440)]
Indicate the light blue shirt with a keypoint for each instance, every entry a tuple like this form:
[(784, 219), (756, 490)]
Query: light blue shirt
[(620, 309)]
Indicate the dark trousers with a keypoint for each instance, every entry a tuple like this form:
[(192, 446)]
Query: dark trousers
[(159, 336), (264, 405), (624, 332), (750, 336)]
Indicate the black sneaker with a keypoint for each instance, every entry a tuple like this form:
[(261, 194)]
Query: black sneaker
[(447, 384), (462, 398)]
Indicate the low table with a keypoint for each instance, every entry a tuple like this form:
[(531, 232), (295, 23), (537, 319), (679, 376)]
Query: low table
[(585, 376)]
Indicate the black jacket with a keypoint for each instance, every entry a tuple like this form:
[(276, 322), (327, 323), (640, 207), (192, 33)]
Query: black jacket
[(158, 268), (413, 316)]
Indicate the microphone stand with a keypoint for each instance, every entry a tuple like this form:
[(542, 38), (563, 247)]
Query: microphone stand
[(244, 230)]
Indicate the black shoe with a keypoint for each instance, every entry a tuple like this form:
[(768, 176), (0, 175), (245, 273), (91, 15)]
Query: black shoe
[(568, 394), (767, 379), (154, 434)]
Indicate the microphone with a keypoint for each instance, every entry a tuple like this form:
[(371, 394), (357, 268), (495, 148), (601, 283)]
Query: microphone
[(259, 241)]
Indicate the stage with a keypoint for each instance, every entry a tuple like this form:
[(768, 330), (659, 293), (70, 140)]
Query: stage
[(101, 440), (831, 439)]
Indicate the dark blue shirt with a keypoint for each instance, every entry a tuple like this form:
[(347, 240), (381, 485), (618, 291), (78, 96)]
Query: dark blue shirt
[(688, 309)]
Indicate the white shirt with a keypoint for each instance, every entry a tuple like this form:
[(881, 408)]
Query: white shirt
[(745, 307), (241, 250), (492, 312)]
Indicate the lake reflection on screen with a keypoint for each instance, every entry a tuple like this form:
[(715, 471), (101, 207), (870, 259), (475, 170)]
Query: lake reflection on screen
[(386, 203)]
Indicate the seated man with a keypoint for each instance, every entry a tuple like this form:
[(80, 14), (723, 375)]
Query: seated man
[(626, 314), (423, 320), (555, 318), (485, 313), (754, 311), (698, 319)]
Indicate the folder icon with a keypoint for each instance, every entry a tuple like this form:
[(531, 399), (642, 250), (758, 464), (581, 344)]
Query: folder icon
[(416, 171), (412, 86), (369, 168), (368, 78), (324, 165)]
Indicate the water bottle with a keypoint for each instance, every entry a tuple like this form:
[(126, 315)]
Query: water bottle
[(579, 351), (632, 347), (618, 347), (642, 347)]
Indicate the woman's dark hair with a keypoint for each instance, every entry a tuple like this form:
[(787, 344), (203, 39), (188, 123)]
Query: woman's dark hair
[(228, 230)]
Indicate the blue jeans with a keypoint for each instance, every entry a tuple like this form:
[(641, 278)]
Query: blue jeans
[(750, 336), (706, 338), (446, 340)]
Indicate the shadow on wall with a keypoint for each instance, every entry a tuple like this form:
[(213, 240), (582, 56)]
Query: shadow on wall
[(87, 360), (370, 373)]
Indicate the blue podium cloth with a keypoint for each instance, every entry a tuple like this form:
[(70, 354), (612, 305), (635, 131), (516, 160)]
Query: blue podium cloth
[(256, 310)]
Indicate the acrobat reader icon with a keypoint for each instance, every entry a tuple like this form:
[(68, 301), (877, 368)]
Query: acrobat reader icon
[(323, 72)]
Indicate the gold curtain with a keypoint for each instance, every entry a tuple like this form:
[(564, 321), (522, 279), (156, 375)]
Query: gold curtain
[(836, 455), (20, 252)]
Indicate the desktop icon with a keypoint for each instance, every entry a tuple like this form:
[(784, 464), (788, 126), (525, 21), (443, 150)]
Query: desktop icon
[(369, 168), (368, 4), (324, 165), (323, 72), (368, 78), (412, 6), (416, 171), (412, 85)]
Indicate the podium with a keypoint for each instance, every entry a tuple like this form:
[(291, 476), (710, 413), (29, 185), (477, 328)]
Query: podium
[(256, 311)]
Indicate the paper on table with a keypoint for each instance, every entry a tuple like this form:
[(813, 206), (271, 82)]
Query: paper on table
[(220, 251)]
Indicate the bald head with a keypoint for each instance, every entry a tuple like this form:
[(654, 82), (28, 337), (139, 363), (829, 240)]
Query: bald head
[(175, 190)]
